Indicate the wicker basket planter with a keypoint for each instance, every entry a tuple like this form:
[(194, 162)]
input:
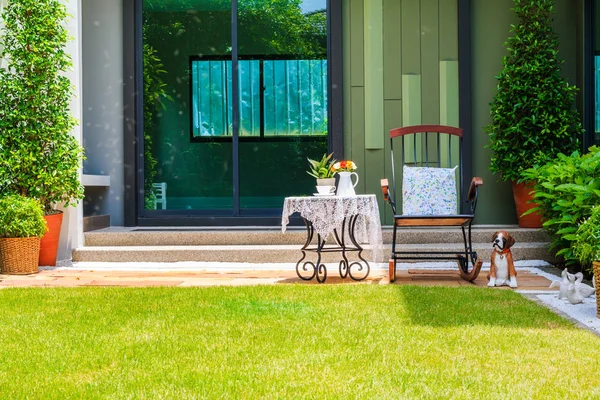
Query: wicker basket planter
[(19, 256), (596, 265)]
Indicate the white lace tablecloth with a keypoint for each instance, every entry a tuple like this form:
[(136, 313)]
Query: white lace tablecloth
[(327, 213)]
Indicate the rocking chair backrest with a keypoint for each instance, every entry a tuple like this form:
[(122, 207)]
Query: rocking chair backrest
[(429, 146)]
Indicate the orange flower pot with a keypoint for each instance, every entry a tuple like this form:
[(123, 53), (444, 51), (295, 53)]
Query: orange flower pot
[(49, 244), (523, 194)]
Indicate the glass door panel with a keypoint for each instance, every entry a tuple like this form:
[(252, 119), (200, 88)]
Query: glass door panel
[(188, 162), (283, 98)]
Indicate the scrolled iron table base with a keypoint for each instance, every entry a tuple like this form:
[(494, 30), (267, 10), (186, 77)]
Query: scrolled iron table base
[(308, 270)]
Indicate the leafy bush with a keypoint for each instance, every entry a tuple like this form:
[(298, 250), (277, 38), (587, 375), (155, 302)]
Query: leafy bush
[(586, 244), (567, 189), (533, 118), (21, 217), (40, 159)]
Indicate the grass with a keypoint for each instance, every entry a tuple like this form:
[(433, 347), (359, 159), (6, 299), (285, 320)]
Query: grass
[(290, 341)]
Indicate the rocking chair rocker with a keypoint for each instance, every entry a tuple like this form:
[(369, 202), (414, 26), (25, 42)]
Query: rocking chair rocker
[(432, 146)]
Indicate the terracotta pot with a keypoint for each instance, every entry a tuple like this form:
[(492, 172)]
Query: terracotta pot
[(522, 193), (49, 244)]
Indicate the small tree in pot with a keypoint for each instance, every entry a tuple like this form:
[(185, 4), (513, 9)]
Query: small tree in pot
[(533, 118), (40, 159)]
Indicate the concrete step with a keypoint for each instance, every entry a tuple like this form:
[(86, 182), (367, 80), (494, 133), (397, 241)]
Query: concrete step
[(244, 236), (275, 253)]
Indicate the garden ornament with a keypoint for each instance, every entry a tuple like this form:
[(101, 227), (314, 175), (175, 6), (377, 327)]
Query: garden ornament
[(573, 294), (502, 268), (562, 284), (582, 288)]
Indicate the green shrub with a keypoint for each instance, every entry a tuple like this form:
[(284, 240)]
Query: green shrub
[(21, 217), (533, 115), (567, 189), (40, 159), (586, 243)]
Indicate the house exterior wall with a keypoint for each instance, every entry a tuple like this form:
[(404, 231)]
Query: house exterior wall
[(71, 234), (389, 56), (418, 38), (102, 119), (490, 24), (417, 64)]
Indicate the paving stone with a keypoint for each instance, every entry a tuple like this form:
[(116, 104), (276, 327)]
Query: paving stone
[(205, 282), (137, 283)]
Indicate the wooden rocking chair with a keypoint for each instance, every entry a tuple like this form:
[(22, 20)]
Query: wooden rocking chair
[(433, 146)]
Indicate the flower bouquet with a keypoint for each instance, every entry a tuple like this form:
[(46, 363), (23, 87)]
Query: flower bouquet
[(344, 166)]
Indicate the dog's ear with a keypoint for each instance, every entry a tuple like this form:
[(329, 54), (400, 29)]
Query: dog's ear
[(509, 241), (494, 236)]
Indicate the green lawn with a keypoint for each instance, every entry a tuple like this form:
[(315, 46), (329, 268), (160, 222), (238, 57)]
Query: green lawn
[(290, 341)]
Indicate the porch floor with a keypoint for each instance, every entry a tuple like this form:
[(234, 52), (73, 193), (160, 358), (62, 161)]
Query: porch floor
[(533, 281), (184, 274)]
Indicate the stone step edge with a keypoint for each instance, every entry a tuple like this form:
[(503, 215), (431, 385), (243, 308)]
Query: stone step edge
[(285, 247), (290, 239), (225, 267)]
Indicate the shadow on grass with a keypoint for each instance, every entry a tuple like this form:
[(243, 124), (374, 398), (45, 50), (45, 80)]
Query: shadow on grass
[(439, 306)]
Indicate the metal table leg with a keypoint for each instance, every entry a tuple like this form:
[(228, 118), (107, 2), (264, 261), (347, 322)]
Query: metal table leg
[(308, 270)]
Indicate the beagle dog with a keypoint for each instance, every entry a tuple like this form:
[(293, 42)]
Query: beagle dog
[(502, 268)]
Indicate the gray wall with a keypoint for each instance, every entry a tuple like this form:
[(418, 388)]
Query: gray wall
[(102, 121)]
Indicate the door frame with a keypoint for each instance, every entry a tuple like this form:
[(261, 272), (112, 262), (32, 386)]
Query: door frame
[(134, 213)]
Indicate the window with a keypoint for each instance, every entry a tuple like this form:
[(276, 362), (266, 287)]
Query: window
[(278, 97)]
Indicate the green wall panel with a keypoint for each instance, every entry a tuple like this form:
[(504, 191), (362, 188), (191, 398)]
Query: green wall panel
[(411, 37), (356, 36), (430, 75), (448, 30), (357, 104), (393, 119), (392, 51), (373, 14), (347, 68)]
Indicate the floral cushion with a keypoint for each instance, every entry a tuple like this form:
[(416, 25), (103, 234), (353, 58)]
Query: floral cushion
[(429, 191)]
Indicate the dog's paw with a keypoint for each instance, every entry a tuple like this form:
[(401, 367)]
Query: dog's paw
[(492, 283), (513, 282)]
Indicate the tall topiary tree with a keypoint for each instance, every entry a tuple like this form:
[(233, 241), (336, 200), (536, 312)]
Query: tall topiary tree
[(39, 157), (533, 115)]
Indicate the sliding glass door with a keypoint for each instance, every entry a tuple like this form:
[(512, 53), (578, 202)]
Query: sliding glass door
[(236, 97)]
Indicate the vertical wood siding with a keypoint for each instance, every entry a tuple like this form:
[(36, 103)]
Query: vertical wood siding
[(418, 36)]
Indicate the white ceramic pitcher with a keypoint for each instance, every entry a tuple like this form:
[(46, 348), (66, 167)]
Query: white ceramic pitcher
[(345, 185)]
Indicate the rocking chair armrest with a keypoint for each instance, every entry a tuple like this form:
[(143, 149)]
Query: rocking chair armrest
[(385, 188), (475, 183)]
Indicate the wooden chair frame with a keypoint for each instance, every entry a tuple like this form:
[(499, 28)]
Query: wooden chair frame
[(468, 262)]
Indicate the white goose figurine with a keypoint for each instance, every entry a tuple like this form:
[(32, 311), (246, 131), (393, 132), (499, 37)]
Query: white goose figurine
[(573, 294), (582, 288), (563, 284)]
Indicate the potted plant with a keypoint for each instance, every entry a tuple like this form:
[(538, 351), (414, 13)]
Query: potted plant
[(40, 158), (323, 170), (586, 246), (22, 225), (533, 115)]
